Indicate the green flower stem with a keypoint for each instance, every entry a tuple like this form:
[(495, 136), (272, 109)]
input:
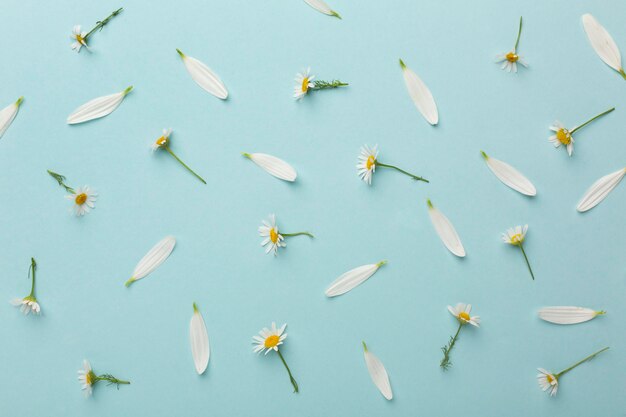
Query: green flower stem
[(61, 180), (298, 234), (323, 85), (445, 362), (167, 148), (112, 380), (415, 177), (527, 263), (592, 119), (100, 24), (588, 358), (31, 271), (519, 34), (291, 378)]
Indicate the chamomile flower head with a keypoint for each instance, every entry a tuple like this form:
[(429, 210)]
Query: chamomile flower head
[(84, 199), (304, 83), (27, 305), (269, 339), (515, 236), (510, 60), (162, 141), (87, 378), (562, 136), (366, 165), (462, 312), (273, 239), (79, 37), (547, 381)]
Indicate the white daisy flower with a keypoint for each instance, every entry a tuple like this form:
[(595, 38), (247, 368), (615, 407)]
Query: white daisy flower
[(462, 312), (268, 340), (273, 238), (368, 161), (563, 136), (29, 303), (162, 141), (303, 83), (547, 381), (88, 378), (512, 58), (84, 200), (79, 38), (515, 236)]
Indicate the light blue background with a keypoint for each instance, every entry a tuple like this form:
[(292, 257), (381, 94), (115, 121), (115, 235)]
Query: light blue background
[(256, 47)]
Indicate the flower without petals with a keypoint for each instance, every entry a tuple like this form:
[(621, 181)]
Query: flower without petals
[(510, 176), (204, 76), (446, 231), (274, 166), (7, 115), (155, 257), (199, 340), (351, 279), (602, 42), (420, 94), (600, 190), (568, 314), (378, 373), (322, 7), (97, 108)]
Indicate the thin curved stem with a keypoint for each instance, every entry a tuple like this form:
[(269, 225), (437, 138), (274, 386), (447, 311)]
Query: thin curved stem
[(61, 180), (415, 177), (588, 358), (167, 148), (31, 271), (445, 362), (291, 378), (592, 119), (100, 24), (298, 234), (527, 263), (519, 34)]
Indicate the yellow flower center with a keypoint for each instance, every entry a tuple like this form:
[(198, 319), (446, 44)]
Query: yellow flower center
[(564, 136), (512, 57), (273, 235), (162, 141), (80, 199), (517, 238), (90, 378), (464, 316), (271, 341), (305, 84), (371, 161), (550, 379), (80, 39)]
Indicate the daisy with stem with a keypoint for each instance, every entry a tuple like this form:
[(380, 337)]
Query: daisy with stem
[(80, 37), (163, 142), (88, 379), (304, 84), (462, 314), (515, 236), (549, 381), (273, 238), (368, 161), (511, 58), (563, 136), (84, 198), (269, 340), (29, 303)]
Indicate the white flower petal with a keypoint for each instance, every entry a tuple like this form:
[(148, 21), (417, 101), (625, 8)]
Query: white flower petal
[(378, 373), (446, 231), (599, 190), (204, 76), (199, 340), (8, 114), (322, 7), (153, 259), (602, 42), (274, 166), (352, 278), (567, 314), (510, 176), (97, 108), (421, 95)]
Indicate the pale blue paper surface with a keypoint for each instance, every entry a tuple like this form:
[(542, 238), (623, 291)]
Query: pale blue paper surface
[(256, 47)]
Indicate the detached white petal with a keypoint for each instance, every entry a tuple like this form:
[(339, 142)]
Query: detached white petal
[(510, 176), (153, 259), (274, 166), (199, 340), (204, 76), (97, 108), (421, 95), (322, 7), (352, 278), (8, 114), (599, 190), (602, 42), (378, 373), (446, 231), (567, 314)]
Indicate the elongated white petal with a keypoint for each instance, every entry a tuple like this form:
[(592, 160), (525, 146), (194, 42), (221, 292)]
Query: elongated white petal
[(421, 95), (204, 76), (275, 166), (378, 373), (510, 176), (153, 259), (446, 231), (602, 42), (322, 7), (599, 190), (8, 114), (567, 314), (97, 108), (199, 340), (352, 278)]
